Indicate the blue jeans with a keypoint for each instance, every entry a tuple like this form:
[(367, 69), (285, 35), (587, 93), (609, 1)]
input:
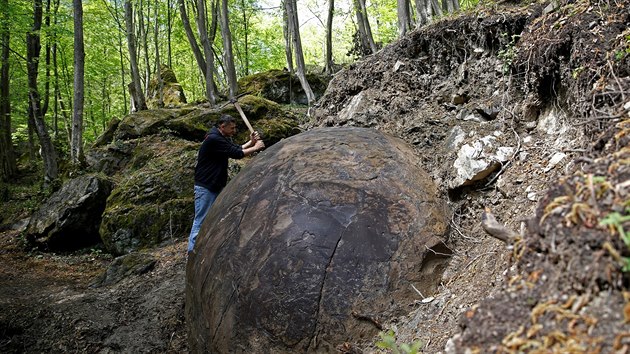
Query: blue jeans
[(203, 201)]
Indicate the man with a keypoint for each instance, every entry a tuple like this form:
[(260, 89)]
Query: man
[(211, 171)]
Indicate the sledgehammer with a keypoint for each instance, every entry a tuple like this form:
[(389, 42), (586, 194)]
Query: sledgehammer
[(240, 111), (234, 101)]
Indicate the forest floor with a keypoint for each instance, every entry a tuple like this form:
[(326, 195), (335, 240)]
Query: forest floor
[(558, 288)]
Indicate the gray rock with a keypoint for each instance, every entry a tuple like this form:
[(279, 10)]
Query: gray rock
[(70, 218), (317, 233)]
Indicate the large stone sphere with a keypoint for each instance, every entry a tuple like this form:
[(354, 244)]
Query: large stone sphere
[(314, 243)]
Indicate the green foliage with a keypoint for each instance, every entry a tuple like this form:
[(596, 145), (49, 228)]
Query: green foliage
[(388, 342), (616, 220), (508, 52)]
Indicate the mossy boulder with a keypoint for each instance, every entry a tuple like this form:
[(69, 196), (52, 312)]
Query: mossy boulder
[(267, 117), (151, 156), (172, 92), (153, 199), (108, 134), (279, 86), (146, 122)]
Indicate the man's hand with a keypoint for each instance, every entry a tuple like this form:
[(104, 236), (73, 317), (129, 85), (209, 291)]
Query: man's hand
[(257, 146), (254, 137)]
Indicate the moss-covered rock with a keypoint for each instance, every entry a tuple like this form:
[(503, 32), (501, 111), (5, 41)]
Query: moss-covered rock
[(280, 87), (146, 122), (153, 199), (267, 117), (172, 92), (108, 134), (151, 157)]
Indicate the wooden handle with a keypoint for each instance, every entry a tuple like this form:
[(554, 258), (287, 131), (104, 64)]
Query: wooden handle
[(240, 111)]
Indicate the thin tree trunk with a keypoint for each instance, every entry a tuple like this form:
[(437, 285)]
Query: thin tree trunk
[(122, 61), (33, 48), (404, 18), (365, 30), (435, 6), (143, 34), (422, 16), (294, 30), (207, 51), (246, 34), (137, 96), (169, 32), (56, 93), (288, 47), (76, 146), (201, 62), (8, 165), (64, 109), (228, 55), (160, 84), (329, 23), (456, 6), (47, 79)]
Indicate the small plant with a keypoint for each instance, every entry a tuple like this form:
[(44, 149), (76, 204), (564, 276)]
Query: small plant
[(388, 342), (615, 222), (508, 53), (576, 72)]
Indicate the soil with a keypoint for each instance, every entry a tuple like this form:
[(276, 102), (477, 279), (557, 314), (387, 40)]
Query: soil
[(556, 288)]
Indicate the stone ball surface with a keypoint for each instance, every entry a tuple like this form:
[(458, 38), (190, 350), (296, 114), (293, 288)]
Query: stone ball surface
[(313, 243)]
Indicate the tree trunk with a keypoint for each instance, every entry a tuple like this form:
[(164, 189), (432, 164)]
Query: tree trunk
[(404, 17), (288, 47), (456, 6), (246, 35), (294, 30), (33, 48), (207, 51), (228, 56), (365, 31), (201, 63), (329, 23), (47, 79), (56, 93), (169, 32), (138, 94), (158, 71), (122, 61), (143, 33), (8, 166), (76, 143), (436, 9), (422, 16)]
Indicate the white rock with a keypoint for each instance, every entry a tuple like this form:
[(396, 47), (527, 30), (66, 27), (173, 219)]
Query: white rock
[(557, 157)]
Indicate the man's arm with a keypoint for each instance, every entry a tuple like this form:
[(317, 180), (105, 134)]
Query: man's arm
[(253, 138), (258, 145)]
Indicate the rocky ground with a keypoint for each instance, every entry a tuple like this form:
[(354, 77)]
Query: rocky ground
[(551, 84)]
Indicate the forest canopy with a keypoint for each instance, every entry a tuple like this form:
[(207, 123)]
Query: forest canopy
[(74, 65)]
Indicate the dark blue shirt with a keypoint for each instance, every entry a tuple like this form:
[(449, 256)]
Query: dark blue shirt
[(211, 171)]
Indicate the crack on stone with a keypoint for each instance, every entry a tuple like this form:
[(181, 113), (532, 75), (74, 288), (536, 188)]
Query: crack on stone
[(226, 309), (313, 338)]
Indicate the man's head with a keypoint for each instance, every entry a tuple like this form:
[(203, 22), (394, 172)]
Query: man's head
[(227, 125)]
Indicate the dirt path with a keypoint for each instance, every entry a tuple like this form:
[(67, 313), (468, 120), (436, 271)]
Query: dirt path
[(47, 305)]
